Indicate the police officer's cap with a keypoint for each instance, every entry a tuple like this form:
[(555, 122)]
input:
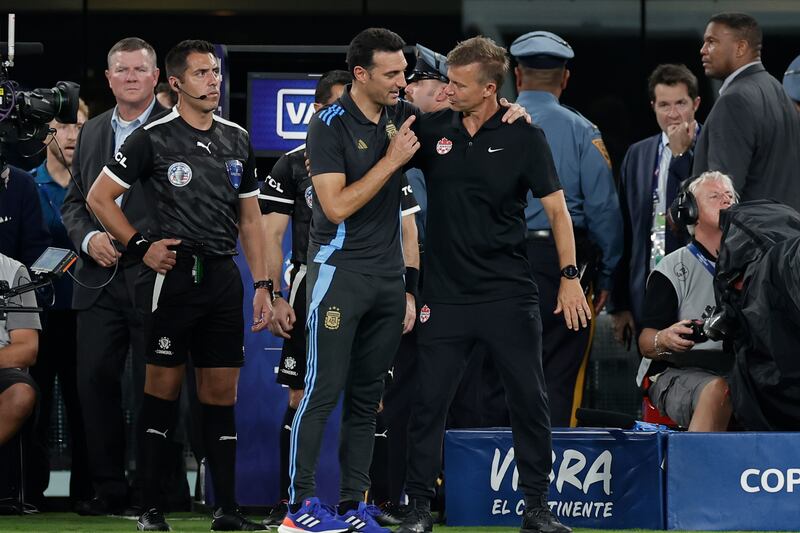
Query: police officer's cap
[(430, 66), (791, 80), (541, 50)]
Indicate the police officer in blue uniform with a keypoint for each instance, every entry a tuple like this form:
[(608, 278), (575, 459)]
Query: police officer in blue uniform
[(791, 82), (584, 169)]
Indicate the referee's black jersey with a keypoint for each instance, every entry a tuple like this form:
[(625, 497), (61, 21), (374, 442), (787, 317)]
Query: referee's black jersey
[(477, 189), (288, 190), (192, 178), (342, 140)]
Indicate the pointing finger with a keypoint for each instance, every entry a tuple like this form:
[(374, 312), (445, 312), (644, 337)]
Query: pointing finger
[(407, 124)]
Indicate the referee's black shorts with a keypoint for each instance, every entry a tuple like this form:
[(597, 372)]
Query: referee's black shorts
[(292, 369), (183, 317)]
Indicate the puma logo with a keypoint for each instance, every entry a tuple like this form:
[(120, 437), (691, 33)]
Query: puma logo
[(227, 437), (207, 147), (156, 432)]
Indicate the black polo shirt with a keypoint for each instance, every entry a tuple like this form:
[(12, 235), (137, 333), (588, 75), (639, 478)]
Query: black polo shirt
[(477, 189), (194, 179), (342, 140)]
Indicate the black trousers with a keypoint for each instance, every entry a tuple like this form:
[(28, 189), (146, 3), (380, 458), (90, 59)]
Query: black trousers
[(478, 402), (563, 350), (57, 357), (106, 331), (354, 326), (511, 331)]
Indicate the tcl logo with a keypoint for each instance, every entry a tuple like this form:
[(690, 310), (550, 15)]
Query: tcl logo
[(119, 158), (274, 184), (770, 480)]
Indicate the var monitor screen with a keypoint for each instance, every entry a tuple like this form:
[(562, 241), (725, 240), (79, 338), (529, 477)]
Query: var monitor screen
[(279, 108)]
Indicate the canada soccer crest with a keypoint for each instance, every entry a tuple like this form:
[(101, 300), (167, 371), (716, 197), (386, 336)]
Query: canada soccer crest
[(424, 314), (444, 145)]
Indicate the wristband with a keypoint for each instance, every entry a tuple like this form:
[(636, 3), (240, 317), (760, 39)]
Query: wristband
[(276, 295), (412, 281), (137, 245), (263, 284)]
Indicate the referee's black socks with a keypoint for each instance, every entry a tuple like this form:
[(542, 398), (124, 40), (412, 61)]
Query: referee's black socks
[(219, 437), (157, 421)]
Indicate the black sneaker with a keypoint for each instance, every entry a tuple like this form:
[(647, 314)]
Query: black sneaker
[(388, 514), (277, 514), (233, 520), (539, 519), (97, 506), (416, 520), (152, 520)]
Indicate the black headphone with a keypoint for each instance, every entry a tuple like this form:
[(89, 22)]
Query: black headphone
[(684, 211)]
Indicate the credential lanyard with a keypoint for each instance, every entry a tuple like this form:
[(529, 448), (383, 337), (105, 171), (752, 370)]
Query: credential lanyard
[(703, 260)]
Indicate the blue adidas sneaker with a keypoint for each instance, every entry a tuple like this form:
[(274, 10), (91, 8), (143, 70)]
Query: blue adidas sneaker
[(313, 517), (362, 520)]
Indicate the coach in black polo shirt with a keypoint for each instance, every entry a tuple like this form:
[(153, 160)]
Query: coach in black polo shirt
[(199, 174), (478, 286), (358, 302)]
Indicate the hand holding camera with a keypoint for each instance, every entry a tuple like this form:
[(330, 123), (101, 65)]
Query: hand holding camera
[(697, 335)]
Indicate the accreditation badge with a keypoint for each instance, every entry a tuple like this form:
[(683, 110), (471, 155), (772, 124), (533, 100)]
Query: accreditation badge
[(235, 169)]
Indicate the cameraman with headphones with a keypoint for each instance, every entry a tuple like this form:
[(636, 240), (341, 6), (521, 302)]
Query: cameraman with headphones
[(682, 370)]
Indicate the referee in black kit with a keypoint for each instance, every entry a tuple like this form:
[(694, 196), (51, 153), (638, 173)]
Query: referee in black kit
[(478, 285), (199, 173)]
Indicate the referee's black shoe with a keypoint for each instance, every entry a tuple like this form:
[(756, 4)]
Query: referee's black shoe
[(539, 519), (389, 515), (234, 520), (417, 518), (153, 520)]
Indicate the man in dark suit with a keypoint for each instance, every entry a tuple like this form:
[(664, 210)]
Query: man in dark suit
[(107, 323), (753, 131), (651, 173)]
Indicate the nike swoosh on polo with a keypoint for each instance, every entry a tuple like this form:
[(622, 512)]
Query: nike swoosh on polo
[(493, 150)]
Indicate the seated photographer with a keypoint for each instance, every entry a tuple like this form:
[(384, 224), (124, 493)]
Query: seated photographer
[(19, 341), (684, 368)]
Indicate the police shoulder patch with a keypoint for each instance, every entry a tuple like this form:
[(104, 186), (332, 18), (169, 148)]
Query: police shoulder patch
[(601, 147)]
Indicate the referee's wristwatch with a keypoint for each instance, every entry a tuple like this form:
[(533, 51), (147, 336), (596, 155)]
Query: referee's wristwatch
[(570, 272), (264, 284)]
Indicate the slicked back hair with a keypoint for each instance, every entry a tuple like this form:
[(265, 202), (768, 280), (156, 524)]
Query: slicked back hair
[(176, 58)]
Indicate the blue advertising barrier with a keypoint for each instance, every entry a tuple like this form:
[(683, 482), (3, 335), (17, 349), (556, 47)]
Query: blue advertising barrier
[(605, 479), (741, 481)]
